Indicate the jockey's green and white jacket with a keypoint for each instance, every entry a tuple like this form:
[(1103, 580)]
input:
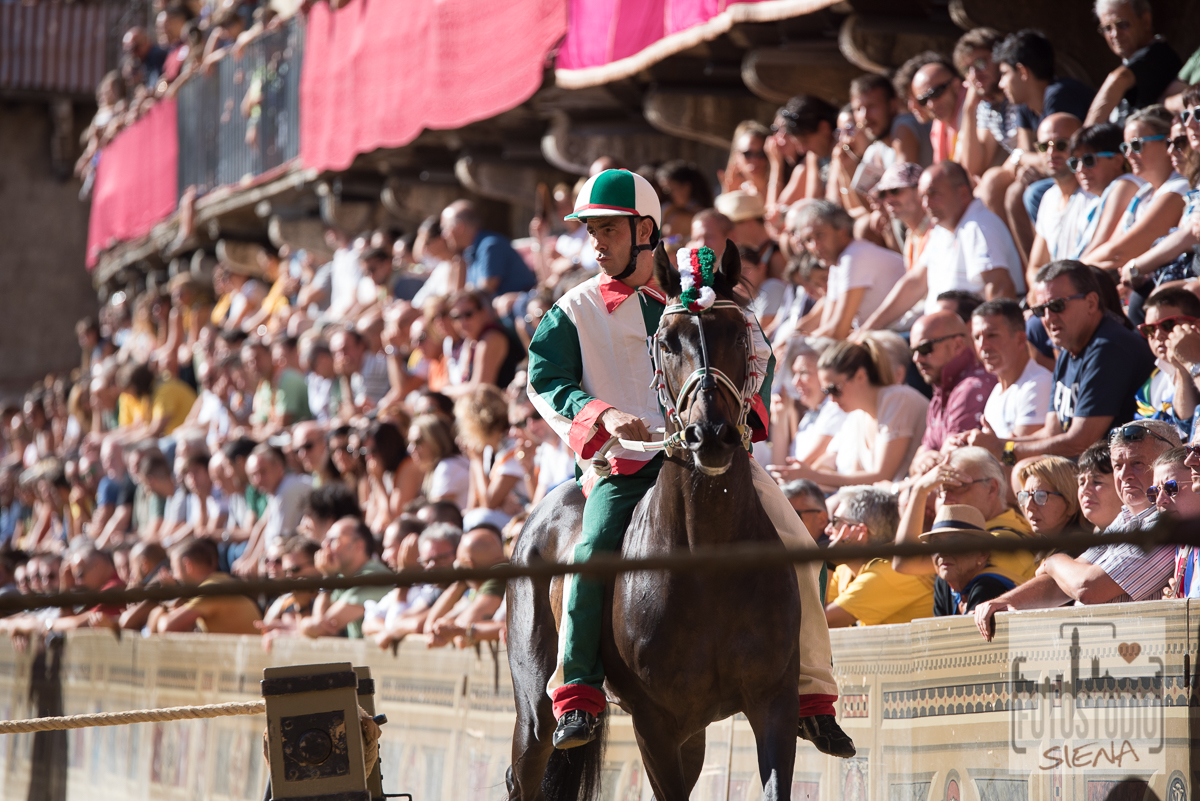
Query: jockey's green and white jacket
[(590, 353)]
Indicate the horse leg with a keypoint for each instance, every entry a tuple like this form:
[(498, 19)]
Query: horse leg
[(773, 720), (692, 754), (531, 749), (662, 757)]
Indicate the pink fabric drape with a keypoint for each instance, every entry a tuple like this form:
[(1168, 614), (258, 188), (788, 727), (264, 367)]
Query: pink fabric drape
[(378, 72), (612, 39), (136, 181)]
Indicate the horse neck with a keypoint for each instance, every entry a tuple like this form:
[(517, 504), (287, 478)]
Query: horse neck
[(702, 510)]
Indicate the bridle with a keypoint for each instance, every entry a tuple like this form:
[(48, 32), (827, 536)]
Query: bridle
[(704, 379)]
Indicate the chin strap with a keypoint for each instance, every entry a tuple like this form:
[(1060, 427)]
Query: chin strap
[(635, 250)]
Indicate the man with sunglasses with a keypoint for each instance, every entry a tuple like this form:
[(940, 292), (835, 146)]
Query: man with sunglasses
[(1174, 497), (1101, 364), (941, 93), (1060, 211), (1148, 64), (944, 357), (1105, 573), (1170, 394)]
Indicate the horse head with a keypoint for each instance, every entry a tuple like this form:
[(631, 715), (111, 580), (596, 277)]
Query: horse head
[(703, 351)]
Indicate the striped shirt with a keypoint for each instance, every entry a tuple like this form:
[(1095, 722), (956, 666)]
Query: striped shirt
[(1143, 575)]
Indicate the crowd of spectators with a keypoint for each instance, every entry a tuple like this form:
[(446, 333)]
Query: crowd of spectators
[(978, 279), (187, 37)]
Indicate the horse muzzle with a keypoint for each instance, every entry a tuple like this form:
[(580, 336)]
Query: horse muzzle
[(712, 446)]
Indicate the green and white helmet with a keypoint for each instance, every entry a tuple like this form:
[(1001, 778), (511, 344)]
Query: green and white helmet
[(618, 193)]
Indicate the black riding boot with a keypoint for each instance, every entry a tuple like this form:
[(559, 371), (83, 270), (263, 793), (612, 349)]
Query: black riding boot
[(824, 732), (575, 728)]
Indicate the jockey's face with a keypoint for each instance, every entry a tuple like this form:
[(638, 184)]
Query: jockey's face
[(610, 237)]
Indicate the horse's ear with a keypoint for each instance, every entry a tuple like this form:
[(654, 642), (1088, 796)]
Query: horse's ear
[(731, 263), (665, 273)]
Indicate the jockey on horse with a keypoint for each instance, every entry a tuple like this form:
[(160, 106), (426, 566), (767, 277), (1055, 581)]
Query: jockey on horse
[(590, 377)]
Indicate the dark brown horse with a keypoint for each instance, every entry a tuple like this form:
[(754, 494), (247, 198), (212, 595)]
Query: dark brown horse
[(680, 650)]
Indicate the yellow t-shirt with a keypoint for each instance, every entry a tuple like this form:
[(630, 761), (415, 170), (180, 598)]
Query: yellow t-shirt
[(224, 614), (880, 595), (1017, 566), (173, 400), (841, 578), (131, 411)]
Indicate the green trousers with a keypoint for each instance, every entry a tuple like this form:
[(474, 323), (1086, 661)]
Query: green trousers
[(606, 515)]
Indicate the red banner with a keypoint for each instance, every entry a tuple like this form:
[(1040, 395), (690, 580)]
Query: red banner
[(378, 72), (136, 181), (608, 40)]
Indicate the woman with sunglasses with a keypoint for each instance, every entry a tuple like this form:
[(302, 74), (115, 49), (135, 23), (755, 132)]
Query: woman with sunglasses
[(748, 169), (1047, 496), (489, 354), (1157, 206), (1169, 262), (884, 424), (1103, 173)]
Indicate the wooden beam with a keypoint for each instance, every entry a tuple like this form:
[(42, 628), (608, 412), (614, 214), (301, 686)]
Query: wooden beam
[(879, 44), (507, 181), (572, 146), (817, 68), (706, 118)]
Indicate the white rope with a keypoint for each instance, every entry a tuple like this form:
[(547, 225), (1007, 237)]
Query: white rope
[(132, 716)]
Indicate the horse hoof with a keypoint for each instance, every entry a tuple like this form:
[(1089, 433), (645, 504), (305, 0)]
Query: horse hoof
[(824, 732)]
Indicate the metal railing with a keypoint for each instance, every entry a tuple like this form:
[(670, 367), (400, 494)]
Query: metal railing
[(225, 139)]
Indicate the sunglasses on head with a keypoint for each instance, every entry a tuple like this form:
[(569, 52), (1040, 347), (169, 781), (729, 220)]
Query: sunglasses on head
[(1058, 144), (1132, 432), (1134, 145), (1039, 497), (1087, 160), (1189, 114), (1058, 305), (1167, 324), (926, 347), (1171, 488), (933, 94), (1178, 143)]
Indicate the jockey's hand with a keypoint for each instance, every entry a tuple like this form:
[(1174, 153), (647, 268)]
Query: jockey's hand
[(626, 426)]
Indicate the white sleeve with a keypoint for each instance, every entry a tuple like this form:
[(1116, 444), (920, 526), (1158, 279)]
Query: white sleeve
[(976, 248), (1033, 402)]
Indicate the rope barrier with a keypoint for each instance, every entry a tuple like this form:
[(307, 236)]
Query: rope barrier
[(727, 558), (133, 716)]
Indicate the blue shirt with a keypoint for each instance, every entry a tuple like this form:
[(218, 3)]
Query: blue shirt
[(491, 256), (1104, 379)]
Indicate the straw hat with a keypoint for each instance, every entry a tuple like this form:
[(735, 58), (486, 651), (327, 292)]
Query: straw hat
[(740, 206), (959, 519)]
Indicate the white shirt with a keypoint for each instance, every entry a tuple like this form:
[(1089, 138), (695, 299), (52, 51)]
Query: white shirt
[(958, 259), (451, 481), (1147, 194), (860, 443), (346, 273), (1059, 222), (865, 264), (1025, 402), (285, 507), (824, 421)]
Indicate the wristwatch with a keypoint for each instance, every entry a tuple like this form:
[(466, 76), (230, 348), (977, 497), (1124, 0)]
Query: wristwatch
[(1194, 371), (1133, 269), (1009, 457)]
